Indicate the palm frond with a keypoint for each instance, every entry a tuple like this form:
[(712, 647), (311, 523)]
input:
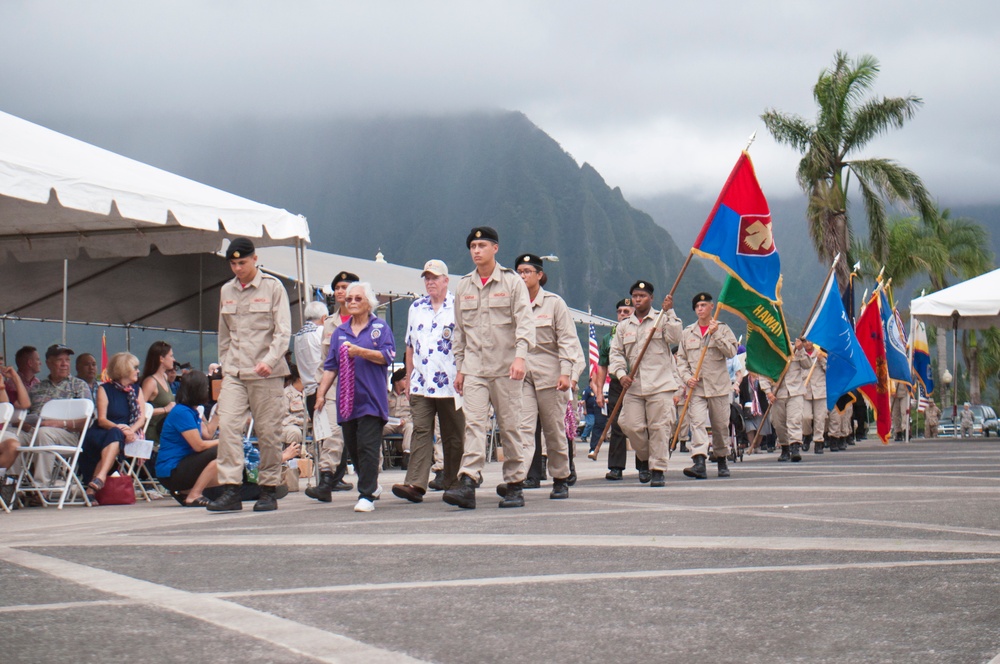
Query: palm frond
[(876, 117)]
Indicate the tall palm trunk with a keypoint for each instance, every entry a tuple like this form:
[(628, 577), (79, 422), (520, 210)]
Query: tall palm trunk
[(942, 365), (970, 349)]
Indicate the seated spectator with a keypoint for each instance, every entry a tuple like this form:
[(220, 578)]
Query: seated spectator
[(173, 377), (120, 417), (10, 444), (295, 408), (186, 462), (29, 365), (86, 370), (156, 388), (59, 385), (399, 407)]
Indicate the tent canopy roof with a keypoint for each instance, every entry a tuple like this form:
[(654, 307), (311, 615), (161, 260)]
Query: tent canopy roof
[(974, 304), (59, 195)]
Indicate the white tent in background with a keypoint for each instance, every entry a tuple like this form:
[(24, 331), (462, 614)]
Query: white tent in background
[(390, 281), (75, 215), (972, 304)]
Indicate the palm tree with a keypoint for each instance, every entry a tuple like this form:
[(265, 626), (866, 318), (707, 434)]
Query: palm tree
[(846, 122)]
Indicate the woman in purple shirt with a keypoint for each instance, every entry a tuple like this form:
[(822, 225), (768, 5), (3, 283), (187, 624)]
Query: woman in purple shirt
[(361, 350)]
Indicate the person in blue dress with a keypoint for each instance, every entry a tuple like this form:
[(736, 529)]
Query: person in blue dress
[(120, 419)]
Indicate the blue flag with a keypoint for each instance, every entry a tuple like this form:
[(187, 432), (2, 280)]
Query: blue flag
[(895, 341), (847, 367), (922, 359)]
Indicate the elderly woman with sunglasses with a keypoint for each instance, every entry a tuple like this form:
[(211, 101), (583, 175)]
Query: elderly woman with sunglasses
[(361, 350)]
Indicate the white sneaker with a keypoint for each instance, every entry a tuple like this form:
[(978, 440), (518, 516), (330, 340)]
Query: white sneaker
[(378, 492), (364, 505)]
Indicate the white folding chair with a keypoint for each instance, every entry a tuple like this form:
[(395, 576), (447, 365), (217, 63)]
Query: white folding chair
[(65, 457), (136, 454), (6, 414)]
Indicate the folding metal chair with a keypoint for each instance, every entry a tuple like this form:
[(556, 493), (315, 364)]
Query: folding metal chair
[(136, 454), (66, 457), (6, 414)]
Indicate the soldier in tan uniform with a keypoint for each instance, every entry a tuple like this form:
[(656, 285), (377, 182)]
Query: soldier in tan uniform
[(550, 381), (788, 403), (332, 461), (815, 412), (493, 334), (648, 412), (399, 407), (932, 417), (255, 326), (900, 398), (840, 424), (712, 391)]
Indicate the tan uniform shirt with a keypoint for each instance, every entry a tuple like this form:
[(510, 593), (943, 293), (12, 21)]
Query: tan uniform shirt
[(399, 405), (817, 383), (493, 323), (657, 372), (933, 415), (255, 325), (557, 350), (295, 407), (794, 384), (714, 377)]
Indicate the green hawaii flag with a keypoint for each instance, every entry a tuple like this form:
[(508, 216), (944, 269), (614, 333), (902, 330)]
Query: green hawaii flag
[(768, 345)]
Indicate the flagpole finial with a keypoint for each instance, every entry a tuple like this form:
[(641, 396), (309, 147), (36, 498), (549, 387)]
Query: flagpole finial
[(836, 259), (750, 142)]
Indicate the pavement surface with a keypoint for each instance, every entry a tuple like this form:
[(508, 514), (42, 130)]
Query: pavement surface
[(876, 554)]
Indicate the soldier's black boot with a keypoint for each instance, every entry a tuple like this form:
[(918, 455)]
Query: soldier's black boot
[(229, 501), (684, 448), (795, 451), (723, 467), (643, 468), (323, 490), (464, 495), (437, 484), (818, 449), (847, 440), (560, 489), (267, 502), (514, 497), (785, 456), (697, 470), (656, 479), (806, 441)]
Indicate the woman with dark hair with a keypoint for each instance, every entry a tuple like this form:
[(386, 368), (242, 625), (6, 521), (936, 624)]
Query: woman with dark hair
[(156, 385), (185, 463)]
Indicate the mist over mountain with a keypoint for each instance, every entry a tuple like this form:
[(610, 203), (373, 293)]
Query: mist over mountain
[(412, 187)]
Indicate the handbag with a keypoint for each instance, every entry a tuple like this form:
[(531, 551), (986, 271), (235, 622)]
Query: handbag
[(117, 490)]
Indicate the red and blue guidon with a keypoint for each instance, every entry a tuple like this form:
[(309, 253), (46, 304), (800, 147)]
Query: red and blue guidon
[(737, 234)]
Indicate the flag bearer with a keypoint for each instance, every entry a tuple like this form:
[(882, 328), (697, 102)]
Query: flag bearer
[(788, 402)]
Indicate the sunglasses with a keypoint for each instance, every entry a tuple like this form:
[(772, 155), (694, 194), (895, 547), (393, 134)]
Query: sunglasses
[(354, 299)]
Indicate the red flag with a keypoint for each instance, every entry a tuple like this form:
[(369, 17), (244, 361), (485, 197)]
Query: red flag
[(869, 331), (104, 358)]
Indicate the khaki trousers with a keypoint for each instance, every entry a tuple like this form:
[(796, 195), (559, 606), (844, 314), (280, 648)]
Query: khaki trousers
[(786, 417), (814, 418), (549, 406), (839, 424), (701, 412), (264, 398), (425, 411), (647, 422), (505, 395), (331, 449), (405, 429)]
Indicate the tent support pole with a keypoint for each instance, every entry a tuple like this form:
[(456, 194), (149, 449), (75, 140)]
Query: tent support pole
[(3, 331), (201, 326), (65, 295), (128, 338), (954, 361)]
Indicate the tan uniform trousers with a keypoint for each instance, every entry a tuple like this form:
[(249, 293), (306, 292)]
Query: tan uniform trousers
[(786, 416), (405, 429), (291, 434), (548, 405), (648, 422), (899, 414), (505, 395), (701, 412), (332, 449), (814, 418), (264, 398), (839, 424)]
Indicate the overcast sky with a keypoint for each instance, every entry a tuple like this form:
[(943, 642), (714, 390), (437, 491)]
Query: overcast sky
[(658, 96)]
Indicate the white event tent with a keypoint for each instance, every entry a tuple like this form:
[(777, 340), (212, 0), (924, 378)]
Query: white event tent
[(91, 236), (972, 304)]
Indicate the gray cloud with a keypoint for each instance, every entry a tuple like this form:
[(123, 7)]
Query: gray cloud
[(659, 97)]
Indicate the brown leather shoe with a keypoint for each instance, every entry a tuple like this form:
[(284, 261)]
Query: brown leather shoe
[(409, 492)]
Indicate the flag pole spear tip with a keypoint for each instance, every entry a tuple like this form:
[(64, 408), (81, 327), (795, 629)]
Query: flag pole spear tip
[(750, 142)]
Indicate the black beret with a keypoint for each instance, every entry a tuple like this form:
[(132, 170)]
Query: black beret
[(641, 285), (349, 277), (700, 297), (240, 247), (528, 259), (398, 375), (624, 302), (482, 233)]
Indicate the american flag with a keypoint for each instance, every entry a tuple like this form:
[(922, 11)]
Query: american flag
[(594, 351)]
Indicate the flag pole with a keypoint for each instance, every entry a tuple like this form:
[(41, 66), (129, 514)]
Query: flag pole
[(696, 376), (781, 378), (631, 374)]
